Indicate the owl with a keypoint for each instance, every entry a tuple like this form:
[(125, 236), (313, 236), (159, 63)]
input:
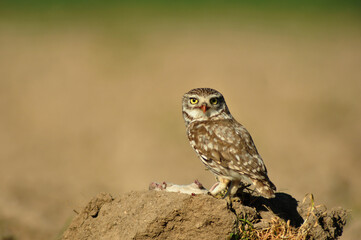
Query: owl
[(223, 145)]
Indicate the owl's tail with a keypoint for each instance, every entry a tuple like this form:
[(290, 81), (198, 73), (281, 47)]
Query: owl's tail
[(265, 187)]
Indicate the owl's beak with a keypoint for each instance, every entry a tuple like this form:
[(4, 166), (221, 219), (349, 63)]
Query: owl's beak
[(204, 108)]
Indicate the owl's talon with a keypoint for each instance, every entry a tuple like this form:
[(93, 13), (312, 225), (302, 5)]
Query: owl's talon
[(229, 205)]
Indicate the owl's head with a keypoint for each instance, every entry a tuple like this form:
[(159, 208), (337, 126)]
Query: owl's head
[(203, 104)]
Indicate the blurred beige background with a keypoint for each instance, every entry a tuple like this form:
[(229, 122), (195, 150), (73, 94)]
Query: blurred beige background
[(90, 101)]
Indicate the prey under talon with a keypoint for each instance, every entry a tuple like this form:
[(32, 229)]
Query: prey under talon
[(192, 189)]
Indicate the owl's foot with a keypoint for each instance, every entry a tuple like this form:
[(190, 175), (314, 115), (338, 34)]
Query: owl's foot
[(218, 188), (231, 194), (232, 189), (212, 192), (232, 199)]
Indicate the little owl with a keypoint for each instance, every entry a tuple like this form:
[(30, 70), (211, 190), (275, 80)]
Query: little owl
[(223, 144)]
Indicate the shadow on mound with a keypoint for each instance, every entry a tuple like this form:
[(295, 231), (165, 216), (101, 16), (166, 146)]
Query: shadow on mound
[(283, 206), (315, 222)]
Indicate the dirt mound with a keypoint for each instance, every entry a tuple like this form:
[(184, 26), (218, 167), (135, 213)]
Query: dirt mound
[(164, 215)]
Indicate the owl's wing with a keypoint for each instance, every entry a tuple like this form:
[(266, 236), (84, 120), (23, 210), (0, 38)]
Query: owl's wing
[(228, 143)]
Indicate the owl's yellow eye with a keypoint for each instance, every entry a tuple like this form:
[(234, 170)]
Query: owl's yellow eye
[(213, 101), (193, 101)]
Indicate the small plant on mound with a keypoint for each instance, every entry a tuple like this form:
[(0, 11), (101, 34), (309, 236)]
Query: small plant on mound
[(278, 229)]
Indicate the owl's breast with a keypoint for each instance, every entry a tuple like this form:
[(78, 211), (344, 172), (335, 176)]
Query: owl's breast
[(200, 134), (213, 143), (213, 135)]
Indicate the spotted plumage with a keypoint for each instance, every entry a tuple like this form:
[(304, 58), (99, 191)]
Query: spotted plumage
[(223, 144)]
